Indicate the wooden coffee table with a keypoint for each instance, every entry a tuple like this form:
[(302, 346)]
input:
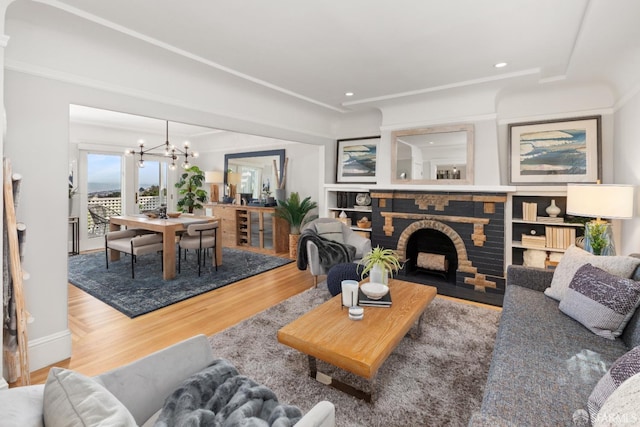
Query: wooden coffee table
[(357, 346)]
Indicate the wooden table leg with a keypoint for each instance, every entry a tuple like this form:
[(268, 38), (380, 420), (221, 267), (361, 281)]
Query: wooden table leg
[(169, 254), (219, 243), (113, 254)]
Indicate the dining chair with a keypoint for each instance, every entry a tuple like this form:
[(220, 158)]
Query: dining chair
[(199, 237), (133, 243), (100, 215)]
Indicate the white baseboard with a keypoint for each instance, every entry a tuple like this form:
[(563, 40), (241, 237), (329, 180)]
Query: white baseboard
[(48, 350), (3, 384)]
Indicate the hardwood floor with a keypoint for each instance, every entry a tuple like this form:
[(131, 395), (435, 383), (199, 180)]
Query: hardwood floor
[(103, 338)]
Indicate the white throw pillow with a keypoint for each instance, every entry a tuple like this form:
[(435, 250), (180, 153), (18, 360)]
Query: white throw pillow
[(574, 258), (72, 399), (330, 231), (621, 408)]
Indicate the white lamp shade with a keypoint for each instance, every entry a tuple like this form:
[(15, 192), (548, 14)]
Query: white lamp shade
[(214, 177), (233, 178), (600, 200)]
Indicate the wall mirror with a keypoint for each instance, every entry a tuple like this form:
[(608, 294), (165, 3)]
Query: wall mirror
[(434, 155), (253, 172)]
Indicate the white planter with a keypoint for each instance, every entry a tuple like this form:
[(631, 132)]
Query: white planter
[(379, 274)]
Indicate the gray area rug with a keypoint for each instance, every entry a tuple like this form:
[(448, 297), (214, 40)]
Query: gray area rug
[(436, 380), (148, 291)]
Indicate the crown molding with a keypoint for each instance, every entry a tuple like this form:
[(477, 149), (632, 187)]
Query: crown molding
[(74, 79), (124, 30)]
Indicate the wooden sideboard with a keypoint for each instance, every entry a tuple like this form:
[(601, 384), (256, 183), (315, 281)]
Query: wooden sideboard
[(252, 226)]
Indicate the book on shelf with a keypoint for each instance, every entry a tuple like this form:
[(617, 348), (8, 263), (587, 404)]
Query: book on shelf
[(534, 241), (365, 301), (555, 220), (529, 211), (361, 208), (560, 237)]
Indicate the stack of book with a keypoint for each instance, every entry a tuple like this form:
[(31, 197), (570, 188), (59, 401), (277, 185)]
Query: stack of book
[(560, 237), (365, 301), (529, 211), (534, 241), (551, 219)]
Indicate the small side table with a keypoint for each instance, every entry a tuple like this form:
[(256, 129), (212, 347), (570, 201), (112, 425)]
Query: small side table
[(74, 222)]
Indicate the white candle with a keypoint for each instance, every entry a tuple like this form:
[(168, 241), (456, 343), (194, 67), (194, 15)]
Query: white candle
[(349, 293)]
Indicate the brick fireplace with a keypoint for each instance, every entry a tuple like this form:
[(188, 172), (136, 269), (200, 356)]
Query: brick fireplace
[(451, 240)]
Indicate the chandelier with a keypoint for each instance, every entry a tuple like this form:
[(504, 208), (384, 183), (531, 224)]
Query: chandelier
[(170, 150)]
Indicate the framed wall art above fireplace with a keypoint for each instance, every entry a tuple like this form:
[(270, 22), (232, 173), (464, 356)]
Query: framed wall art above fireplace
[(555, 151), (356, 159)]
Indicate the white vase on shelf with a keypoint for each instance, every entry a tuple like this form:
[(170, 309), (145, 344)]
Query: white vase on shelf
[(553, 210)]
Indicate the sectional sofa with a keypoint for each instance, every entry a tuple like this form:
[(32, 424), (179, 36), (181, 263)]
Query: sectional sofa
[(546, 365)]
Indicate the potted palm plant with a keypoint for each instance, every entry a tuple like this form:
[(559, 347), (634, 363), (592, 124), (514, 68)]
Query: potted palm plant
[(192, 195), (380, 263), (297, 214)]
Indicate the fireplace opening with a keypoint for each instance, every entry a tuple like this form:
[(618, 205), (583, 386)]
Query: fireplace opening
[(431, 255)]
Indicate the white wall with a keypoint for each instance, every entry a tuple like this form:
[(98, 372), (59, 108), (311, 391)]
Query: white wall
[(36, 144), (626, 169)]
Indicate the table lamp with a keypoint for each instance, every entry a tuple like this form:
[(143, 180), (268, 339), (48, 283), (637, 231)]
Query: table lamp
[(233, 179), (215, 178), (610, 201)]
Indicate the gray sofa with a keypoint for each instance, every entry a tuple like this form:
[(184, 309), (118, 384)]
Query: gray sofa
[(545, 364), (142, 386)]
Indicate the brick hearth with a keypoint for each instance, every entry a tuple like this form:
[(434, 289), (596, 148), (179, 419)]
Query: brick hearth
[(473, 222)]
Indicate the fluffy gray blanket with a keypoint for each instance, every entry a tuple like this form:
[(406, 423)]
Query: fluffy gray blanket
[(329, 252), (218, 396)]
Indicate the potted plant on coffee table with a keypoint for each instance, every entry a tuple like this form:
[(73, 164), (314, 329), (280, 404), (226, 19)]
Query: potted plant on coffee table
[(192, 195), (380, 263), (297, 214)]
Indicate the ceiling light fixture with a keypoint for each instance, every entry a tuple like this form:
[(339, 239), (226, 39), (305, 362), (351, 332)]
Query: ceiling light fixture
[(348, 94), (170, 151), (500, 65)]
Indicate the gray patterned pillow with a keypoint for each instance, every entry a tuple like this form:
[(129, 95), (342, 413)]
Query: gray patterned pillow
[(602, 302), (625, 367), (574, 258)]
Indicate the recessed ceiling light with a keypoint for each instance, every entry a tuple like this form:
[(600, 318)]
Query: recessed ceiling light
[(348, 94), (500, 64)]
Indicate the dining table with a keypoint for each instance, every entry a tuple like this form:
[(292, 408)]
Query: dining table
[(169, 228)]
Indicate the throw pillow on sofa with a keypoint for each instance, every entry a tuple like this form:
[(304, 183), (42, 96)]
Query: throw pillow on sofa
[(622, 369), (601, 301), (574, 258), (72, 399), (330, 231), (621, 408)]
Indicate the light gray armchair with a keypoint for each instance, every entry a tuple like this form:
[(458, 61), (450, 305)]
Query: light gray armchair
[(349, 237)]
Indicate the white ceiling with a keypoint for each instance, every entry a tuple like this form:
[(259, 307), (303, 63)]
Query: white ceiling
[(381, 50)]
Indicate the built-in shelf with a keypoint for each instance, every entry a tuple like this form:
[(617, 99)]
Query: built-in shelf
[(520, 226), (553, 224), (518, 244), (343, 199)]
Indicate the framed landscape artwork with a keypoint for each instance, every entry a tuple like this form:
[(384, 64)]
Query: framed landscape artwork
[(555, 151), (356, 159)]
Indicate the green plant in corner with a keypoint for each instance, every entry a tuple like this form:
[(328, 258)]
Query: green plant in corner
[(385, 258), (192, 195), (296, 212)]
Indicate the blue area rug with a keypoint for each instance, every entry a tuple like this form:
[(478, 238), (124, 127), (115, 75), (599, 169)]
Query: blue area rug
[(148, 291)]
